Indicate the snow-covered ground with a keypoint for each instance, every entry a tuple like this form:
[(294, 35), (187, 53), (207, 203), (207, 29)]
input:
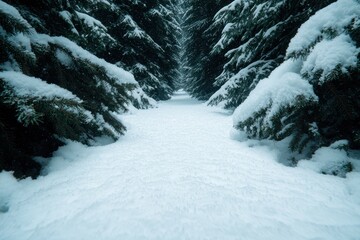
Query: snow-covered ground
[(178, 175)]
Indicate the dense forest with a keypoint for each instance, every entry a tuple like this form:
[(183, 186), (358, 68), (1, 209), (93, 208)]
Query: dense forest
[(288, 70)]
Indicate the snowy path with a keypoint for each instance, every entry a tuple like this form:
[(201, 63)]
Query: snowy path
[(178, 175)]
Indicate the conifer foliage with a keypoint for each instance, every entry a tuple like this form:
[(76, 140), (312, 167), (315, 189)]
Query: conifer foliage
[(68, 69), (312, 95), (200, 67), (290, 68), (62, 71), (147, 35), (256, 35)]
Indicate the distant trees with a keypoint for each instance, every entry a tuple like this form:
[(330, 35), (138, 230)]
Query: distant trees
[(200, 67)]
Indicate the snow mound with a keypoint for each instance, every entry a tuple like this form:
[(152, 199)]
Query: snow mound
[(328, 160)]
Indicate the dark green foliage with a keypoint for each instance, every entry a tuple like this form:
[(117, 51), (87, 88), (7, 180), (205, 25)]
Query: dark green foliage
[(13, 25), (256, 37), (146, 35), (332, 113), (296, 120), (200, 67), (19, 143), (152, 56), (35, 123), (337, 112), (239, 86), (339, 104)]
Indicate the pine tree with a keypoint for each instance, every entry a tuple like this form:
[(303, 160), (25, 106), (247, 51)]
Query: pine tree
[(312, 96), (255, 37), (147, 34), (52, 89), (139, 36), (200, 66)]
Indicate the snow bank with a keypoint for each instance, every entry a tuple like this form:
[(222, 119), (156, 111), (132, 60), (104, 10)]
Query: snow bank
[(328, 160), (24, 85), (353, 183), (63, 157), (279, 90), (333, 17), (8, 185)]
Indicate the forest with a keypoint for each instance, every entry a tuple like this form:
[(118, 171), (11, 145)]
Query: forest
[(74, 74), (286, 69)]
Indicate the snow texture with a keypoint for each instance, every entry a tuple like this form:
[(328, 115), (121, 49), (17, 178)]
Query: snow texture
[(178, 175), (90, 21), (8, 9), (329, 54), (223, 99), (327, 160), (21, 41), (67, 17), (64, 58), (24, 85), (333, 17), (279, 90), (112, 70)]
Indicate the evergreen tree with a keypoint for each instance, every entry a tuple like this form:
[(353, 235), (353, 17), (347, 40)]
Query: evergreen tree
[(200, 67), (139, 36), (147, 34), (312, 96), (52, 89), (255, 36)]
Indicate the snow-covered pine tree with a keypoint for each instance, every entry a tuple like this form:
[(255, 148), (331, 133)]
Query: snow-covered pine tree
[(164, 14), (312, 96), (255, 36), (200, 67), (139, 36), (147, 34), (51, 89)]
